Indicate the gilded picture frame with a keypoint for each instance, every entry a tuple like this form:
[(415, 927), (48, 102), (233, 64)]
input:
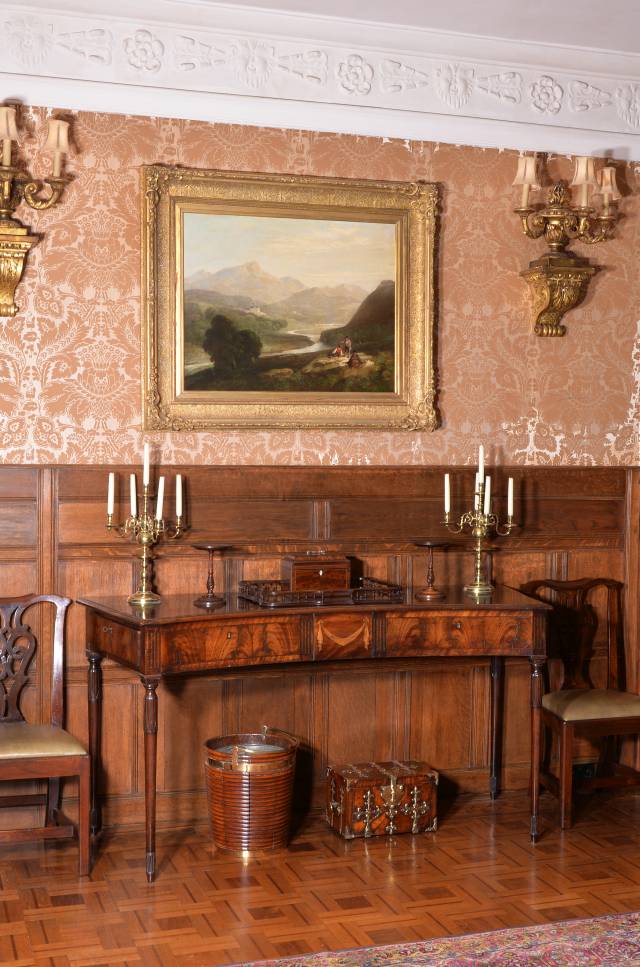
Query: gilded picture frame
[(201, 203)]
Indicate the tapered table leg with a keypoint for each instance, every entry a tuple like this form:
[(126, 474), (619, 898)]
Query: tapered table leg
[(94, 692), (497, 693), (537, 664), (150, 760)]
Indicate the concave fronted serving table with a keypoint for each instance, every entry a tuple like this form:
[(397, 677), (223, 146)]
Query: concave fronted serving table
[(177, 638)]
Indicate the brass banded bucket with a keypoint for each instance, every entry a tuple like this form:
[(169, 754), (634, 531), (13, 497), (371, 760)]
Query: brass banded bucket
[(249, 780)]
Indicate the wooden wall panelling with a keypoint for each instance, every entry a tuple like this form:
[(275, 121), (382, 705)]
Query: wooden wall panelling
[(572, 521)]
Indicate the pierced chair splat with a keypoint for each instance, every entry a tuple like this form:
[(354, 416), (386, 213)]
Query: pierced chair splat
[(39, 751), (577, 709)]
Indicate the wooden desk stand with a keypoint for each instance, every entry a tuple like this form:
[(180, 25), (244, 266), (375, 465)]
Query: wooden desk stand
[(176, 638)]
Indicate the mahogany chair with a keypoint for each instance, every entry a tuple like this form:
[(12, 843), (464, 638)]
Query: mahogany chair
[(32, 752), (577, 709)]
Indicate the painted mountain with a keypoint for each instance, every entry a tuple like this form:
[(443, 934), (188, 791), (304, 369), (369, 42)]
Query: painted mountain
[(248, 280), (245, 328)]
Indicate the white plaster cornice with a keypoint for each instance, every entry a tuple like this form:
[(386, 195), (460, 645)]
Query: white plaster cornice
[(232, 63)]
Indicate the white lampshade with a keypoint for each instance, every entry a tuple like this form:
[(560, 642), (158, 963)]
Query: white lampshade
[(527, 173), (585, 173), (8, 129), (608, 186), (57, 136)]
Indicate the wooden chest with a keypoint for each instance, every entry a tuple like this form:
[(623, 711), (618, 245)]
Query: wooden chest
[(317, 572), (382, 798)]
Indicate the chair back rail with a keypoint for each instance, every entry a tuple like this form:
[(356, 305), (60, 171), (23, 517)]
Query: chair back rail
[(17, 647), (573, 625)]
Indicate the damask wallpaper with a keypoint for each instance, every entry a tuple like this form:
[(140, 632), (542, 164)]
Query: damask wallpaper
[(70, 361)]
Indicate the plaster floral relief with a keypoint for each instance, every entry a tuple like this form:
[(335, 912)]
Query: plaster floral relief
[(546, 95), (70, 360)]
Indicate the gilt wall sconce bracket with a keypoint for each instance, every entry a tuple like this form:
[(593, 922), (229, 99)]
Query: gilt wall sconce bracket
[(559, 279), (17, 186)]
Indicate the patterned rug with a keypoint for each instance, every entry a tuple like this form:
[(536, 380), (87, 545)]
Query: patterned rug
[(609, 941)]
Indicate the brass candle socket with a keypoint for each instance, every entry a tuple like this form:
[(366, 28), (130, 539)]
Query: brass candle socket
[(143, 528), (480, 525)]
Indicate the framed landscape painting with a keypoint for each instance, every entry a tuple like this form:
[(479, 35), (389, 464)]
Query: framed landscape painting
[(286, 301)]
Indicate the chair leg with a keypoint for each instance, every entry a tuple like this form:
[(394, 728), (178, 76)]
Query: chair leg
[(566, 775), (84, 797), (52, 807)]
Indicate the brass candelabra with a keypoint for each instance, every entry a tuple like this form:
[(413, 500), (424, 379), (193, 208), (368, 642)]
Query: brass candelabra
[(146, 529), (480, 521)]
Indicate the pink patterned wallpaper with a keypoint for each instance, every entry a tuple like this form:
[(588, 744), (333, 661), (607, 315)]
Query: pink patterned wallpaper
[(70, 361)]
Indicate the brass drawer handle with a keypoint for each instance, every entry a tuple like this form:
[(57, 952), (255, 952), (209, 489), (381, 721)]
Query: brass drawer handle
[(106, 630), (457, 625), (320, 572), (229, 634)]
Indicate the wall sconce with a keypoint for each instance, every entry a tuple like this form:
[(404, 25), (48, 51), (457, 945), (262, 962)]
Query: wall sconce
[(16, 186), (559, 279)]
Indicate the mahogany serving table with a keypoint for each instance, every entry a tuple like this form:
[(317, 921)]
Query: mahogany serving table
[(177, 638)]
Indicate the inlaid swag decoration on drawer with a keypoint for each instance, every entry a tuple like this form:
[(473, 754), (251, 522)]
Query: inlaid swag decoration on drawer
[(343, 636)]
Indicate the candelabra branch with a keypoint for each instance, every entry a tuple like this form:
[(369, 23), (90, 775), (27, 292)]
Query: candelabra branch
[(32, 189)]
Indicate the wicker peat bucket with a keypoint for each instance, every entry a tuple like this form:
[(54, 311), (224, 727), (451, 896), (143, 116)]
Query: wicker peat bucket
[(249, 784)]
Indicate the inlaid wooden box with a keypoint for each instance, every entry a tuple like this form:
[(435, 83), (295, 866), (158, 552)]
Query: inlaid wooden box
[(317, 572), (382, 798)]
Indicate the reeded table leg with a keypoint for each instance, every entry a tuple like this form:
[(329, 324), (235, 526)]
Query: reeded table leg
[(537, 665), (150, 759), (497, 692), (94, 692)]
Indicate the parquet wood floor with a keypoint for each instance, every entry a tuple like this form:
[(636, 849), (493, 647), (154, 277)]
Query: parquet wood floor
[(478, 872)]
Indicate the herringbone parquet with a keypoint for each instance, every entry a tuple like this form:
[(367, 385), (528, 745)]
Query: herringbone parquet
[(478, 872)]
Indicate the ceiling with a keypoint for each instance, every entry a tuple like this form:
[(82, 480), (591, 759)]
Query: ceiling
[(578, 24), (535, 76)]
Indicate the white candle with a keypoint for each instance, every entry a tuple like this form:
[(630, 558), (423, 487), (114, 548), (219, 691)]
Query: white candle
[(476, 492), (481, 463), (178, 495), (487, 495), (8, 133), (145, 466), (160, 499), (133, 495), (510, 498), (111, 493), (57, 143)]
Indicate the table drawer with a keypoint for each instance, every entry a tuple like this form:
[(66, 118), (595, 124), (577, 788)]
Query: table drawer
[(417, 634), (226, 644), (117, 641), (342, 636)]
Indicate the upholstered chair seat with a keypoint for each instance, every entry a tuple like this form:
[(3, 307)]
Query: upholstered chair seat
[(584, 705), (19, 740)]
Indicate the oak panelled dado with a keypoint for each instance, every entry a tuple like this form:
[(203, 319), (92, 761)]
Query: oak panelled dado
[(574, 522)]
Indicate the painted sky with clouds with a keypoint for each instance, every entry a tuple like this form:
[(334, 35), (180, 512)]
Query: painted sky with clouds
[(316, 252)]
